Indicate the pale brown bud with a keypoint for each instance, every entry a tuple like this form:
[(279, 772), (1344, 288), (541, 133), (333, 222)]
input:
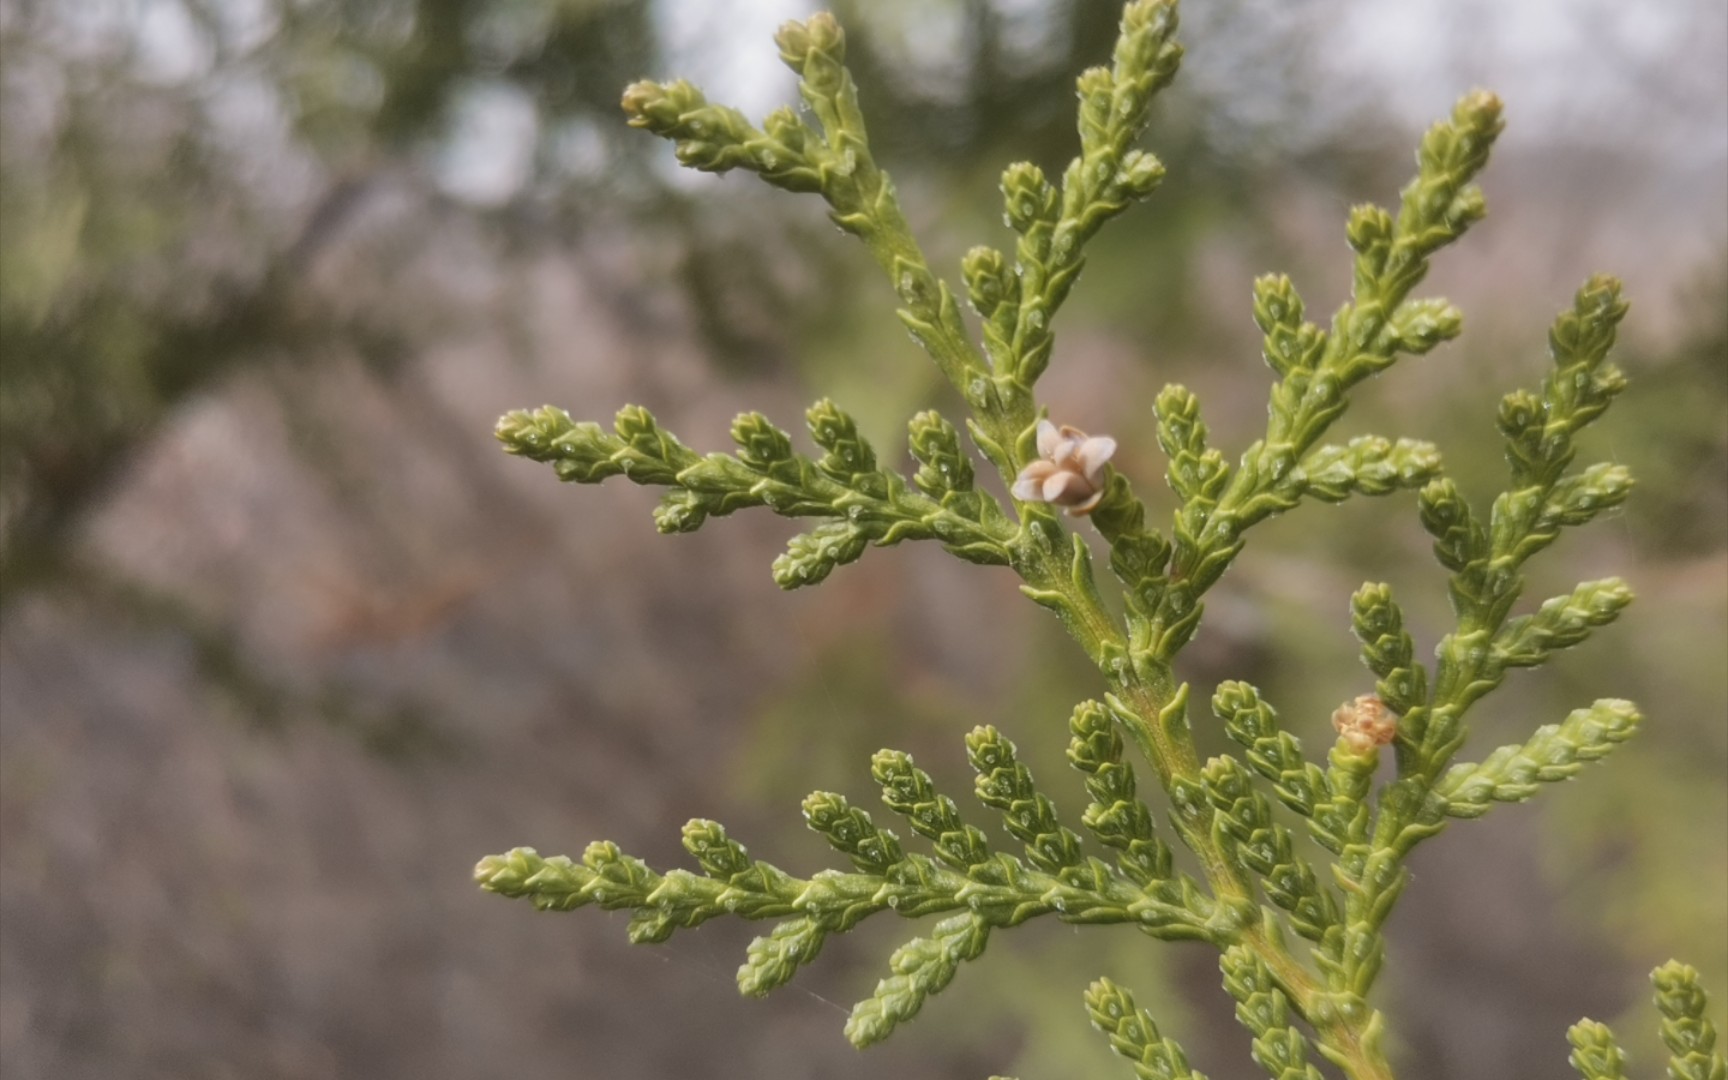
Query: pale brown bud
[(1365, 724)]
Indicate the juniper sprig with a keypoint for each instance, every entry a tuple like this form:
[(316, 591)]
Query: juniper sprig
[(1300, 994)]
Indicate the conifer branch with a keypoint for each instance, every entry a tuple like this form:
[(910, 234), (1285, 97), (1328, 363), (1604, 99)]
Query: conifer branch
[(1220, 809), (1263, 1009), (1595, 1054), (1555, 752), (867, 504), (1688, 1033), (1473, 659), (1134, 1035)]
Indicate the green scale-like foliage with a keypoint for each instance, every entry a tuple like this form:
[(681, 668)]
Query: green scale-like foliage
[(1302, 944), (866, 504), (963, 875), (1686, 1030)]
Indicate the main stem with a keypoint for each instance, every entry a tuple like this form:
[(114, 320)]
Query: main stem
[(1345, 1038)]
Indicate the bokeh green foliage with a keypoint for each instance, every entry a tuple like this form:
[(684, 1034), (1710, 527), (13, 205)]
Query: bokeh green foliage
[(167, 202)]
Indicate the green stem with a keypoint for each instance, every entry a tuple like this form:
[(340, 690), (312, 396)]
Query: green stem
[(1349, 1037), (1004, 411)]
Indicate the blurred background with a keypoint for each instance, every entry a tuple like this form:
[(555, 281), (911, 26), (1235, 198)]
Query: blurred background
[(288, 644)]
